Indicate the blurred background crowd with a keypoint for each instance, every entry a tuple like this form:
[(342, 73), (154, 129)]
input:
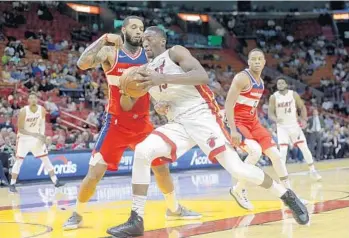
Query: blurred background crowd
[(40, 43)]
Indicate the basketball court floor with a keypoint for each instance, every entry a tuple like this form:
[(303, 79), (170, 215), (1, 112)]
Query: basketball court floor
[(39, 210)]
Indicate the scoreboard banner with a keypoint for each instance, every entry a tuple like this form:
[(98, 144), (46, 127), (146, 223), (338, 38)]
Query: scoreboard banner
[(75, 164)]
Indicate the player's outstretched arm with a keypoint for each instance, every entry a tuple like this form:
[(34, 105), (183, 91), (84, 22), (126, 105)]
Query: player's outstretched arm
[(20, 125), (300, 106), (92, 57), (271, 109), (239, 83)]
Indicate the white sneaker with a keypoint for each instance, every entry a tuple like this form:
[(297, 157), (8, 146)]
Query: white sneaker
[(315, 176), (240, 197)]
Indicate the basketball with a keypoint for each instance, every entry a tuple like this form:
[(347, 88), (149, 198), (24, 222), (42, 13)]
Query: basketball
[(129, 83)]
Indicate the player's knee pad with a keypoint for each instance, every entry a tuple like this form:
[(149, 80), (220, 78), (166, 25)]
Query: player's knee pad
[(254, 151), (17, 166), (47, 163), (144, 152)]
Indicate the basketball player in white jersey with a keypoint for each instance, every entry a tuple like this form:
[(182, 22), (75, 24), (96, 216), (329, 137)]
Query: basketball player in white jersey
[(31, 138), (283, 109), (176, 77)]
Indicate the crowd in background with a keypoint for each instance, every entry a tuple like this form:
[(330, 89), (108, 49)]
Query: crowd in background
[(52, 80)]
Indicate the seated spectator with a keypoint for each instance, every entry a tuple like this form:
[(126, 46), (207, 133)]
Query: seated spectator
[(44, 86), (7, 124), (71, 106), (52, 108), (92, 117)]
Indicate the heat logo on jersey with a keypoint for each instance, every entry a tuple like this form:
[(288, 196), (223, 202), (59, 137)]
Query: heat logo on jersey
[(67, 167)]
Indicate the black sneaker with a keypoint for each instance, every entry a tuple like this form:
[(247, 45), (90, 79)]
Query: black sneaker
[(12, 188), (58, 184), (299, 211), (132, 228)]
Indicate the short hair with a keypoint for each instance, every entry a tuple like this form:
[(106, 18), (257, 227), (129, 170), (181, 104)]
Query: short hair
[(159, 32), (127, 20), (33, 93), (281, 78), (255, 50)]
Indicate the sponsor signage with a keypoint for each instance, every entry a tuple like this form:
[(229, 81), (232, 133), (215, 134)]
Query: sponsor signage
[(76, 164)]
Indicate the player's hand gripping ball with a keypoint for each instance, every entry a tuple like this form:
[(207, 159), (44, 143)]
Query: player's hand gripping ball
[(129, 83)]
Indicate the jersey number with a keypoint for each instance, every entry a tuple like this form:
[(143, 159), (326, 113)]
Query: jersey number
[(32, 124), (253, 110), (160, 70), (288, 110)]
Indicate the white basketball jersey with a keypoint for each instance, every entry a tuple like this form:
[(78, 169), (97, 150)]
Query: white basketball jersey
[(183, 99), (286, 108), (32, 120)]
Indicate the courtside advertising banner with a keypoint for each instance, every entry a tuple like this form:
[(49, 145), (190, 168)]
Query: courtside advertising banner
[(75, 164)]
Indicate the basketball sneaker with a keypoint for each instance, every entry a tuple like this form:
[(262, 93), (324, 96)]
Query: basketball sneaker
[(240, 197), (12, 188), (182, 214), (74, 222), (58, 184), (298, 209), (315, 175), (132, 228)]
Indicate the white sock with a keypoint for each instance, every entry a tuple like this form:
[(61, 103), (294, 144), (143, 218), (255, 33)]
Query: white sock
[(13, 181), (286, 183), (171, 201), (54, 179), (138, 204), (80, 207), (277, 189)]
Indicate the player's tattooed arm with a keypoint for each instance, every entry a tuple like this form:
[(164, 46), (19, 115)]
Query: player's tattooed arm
[(300, 106), (20, 126), (271, 109), (94, 54)]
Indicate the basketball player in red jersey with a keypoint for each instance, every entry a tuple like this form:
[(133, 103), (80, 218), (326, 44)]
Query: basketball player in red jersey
[(127, 120), (246, 130)]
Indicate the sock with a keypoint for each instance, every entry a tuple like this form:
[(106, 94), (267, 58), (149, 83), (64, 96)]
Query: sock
[(13, 181), (277, 189), (54, 179), (171, 201), (138, 204), (80, 207), (286, 183)]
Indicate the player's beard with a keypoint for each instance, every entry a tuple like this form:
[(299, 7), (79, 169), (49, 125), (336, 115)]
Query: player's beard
[(130, 41)]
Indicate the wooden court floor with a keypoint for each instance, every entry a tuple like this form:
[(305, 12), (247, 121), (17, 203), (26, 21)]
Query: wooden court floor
[(39, 210)]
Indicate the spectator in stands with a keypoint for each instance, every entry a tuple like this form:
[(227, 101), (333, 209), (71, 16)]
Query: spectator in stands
[(44, 86), (7, 123), (315, 131), (6, 75), (52, 108), (6, 57), (29, 84), (5, 108), (71, 105), (93, 117)]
